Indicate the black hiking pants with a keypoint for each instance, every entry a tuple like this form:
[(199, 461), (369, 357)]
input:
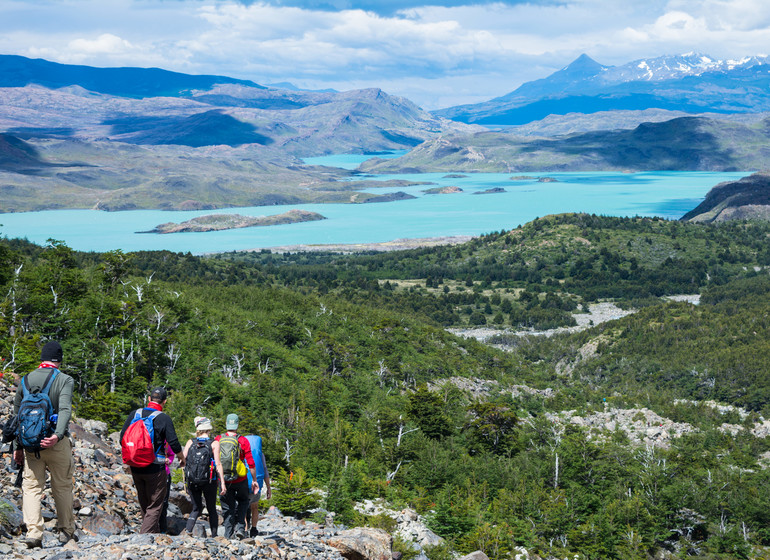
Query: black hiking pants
[(197, 495), (235, 503)]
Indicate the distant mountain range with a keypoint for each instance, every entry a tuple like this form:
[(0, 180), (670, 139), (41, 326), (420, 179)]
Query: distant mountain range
[(691, 83), (149, 106), (129, 138), (126, 138), (19, 71)]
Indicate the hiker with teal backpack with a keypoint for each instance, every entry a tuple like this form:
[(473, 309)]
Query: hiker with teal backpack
[(43, 407), (202, 475), (142, 440), (231, 450)]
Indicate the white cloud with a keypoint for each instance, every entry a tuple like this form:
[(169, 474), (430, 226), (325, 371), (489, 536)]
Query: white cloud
[(107, 43), (428, 54)]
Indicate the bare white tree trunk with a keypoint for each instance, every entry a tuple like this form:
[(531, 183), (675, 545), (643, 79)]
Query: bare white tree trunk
[(289, 451), (401, 432)]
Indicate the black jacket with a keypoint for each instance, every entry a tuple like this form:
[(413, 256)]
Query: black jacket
[(163, 432)]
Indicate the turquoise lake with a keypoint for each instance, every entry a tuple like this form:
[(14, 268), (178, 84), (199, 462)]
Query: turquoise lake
[(664, 194)]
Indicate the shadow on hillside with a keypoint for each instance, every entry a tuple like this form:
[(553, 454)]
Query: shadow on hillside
[(17, 156), (210, 128), (682, 144), (28, 132)]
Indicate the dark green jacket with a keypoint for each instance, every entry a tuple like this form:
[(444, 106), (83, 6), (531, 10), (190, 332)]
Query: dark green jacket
[(60, 395)]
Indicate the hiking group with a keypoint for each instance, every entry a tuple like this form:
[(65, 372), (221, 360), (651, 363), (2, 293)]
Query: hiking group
[(230, 465)]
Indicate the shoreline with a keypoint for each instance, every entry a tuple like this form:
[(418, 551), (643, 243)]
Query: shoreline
[(382, 246)]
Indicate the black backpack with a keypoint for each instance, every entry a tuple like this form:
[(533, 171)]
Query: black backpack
[(199, 468)]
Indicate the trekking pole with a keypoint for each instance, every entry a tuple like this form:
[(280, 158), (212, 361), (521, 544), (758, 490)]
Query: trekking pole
[(20, 474)]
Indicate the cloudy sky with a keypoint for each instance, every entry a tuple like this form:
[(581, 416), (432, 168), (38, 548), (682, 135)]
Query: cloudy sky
[(437, 53)]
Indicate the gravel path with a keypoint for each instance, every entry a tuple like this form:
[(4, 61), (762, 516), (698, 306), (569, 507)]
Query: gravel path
[(597, 313)]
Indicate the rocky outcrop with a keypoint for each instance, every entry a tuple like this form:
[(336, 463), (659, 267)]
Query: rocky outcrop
[(643, 426), (363, 543), (410, 526), (443, 190), (220, 222), (745, 199)]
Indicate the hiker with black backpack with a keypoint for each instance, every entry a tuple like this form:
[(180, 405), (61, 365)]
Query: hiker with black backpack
[(202, 475), (43, 407), (231, 450), (143, 440)]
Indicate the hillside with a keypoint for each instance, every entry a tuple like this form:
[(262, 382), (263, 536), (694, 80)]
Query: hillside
[(125, 138), (686, 143), (745, 199), (653, 423), (54, 173)]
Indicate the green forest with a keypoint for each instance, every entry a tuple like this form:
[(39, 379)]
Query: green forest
[(346, 367)]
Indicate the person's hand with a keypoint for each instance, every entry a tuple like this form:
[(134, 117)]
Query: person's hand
[(269, 492), (254, 487), (18, 456), (49, 442), (223, 491)]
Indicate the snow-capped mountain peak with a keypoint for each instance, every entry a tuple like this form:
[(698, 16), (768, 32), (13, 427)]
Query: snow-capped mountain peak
[(673, 67)]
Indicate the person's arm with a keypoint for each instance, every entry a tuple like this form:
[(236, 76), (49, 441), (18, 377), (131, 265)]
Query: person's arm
[(246, 454), (186, 449), (17, 397), (65, 405), (172, 440), (267, 478), (63, 409), (218, 465), (249, 458)]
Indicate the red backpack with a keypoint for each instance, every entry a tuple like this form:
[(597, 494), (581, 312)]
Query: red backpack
[(137, 443)]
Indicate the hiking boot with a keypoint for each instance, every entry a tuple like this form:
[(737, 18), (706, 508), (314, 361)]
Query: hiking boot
[(239, 534), (33, 543), (66, 536), (253, 532)]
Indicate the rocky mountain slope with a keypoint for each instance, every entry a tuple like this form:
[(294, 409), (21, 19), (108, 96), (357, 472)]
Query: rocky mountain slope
[(108, 517), (686, 143), (692, 83), (150, 106), (745, 199), (124, 138)]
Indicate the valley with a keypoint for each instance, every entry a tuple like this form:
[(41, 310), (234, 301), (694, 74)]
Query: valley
[(561, 369)]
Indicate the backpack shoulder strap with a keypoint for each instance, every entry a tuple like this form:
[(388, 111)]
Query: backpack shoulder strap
[(49, 381), (26, 389)]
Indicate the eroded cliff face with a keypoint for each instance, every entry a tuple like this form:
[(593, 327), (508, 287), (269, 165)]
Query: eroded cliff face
[(745, 199)]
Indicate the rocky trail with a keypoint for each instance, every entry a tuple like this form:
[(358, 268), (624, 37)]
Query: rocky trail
[(108, 517)]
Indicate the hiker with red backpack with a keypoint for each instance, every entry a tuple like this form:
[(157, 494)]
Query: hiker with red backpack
[(231, 450), (43, 407), (143, 439), (202, 475)]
